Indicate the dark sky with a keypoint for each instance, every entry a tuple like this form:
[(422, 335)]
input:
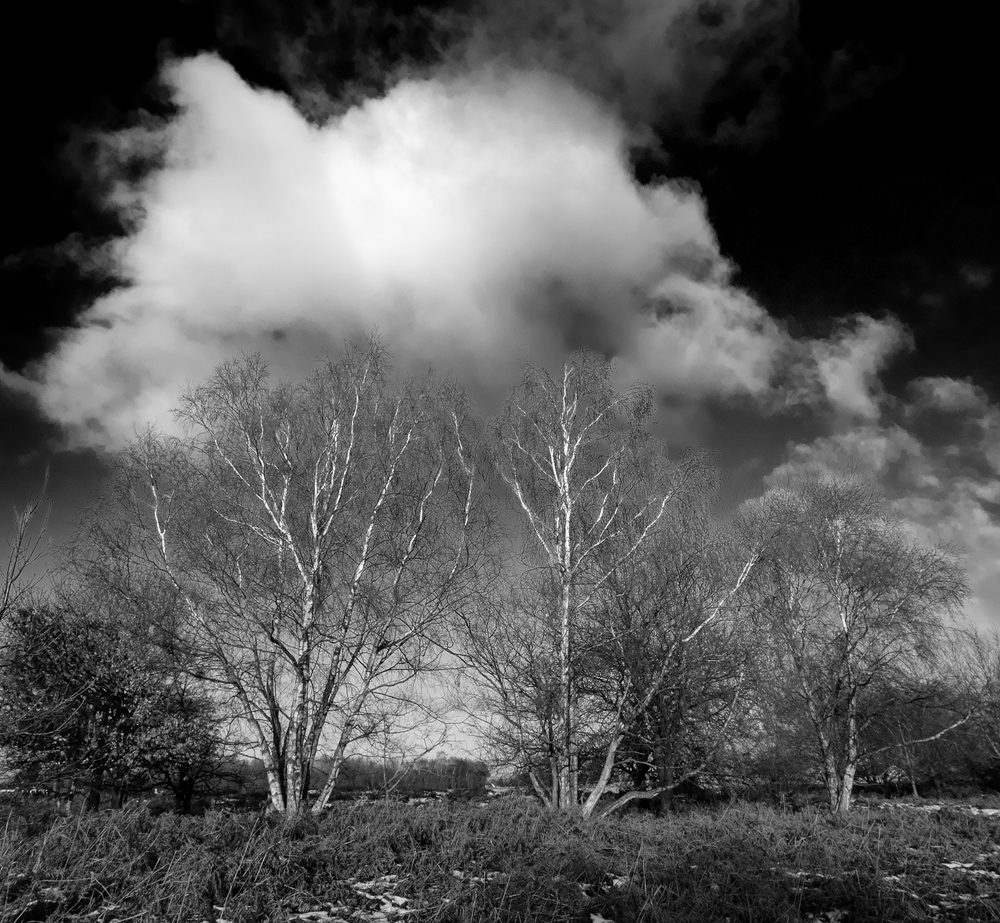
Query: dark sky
[(784, 215)]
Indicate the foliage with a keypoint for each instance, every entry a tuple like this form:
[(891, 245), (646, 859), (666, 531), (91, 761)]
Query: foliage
[(85, 702)]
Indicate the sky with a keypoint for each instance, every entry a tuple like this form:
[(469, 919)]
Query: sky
[(781, 214)]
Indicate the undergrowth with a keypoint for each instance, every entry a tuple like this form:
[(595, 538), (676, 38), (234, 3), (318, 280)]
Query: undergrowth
[(508, 861)]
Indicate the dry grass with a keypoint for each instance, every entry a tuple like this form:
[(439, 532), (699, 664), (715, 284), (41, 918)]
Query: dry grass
[(509, 861)]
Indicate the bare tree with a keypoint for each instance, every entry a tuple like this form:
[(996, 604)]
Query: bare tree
[(654, 652), (850, 599), (976, 677), (316, 533), (912, 722), (986, 677), (573, 450), (24, 548), (509, 687), (668, 659)]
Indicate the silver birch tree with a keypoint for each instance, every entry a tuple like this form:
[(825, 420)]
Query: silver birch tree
[(849, 598), (315, 534), (575, 453)]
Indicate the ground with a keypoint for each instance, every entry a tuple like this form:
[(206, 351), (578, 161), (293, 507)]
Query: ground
[(508, 860)]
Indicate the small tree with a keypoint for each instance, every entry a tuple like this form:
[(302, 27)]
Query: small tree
[(69, 693), (666, 663), (24, 548), (84, 702), (850, 599), (974, 753), (911, 715), (180, 741), (510, 689)]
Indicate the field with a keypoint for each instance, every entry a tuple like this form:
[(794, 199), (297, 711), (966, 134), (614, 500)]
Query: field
[(505, 861)]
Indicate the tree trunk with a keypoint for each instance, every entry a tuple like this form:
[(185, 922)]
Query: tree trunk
[(296, 795), (275, 784), (831, 777), (300, 758), (297, 775), (846, 787), (663, 758), (555, 766), (602, 781), (911, 771), (184, 790), (93, 802), (850, 770), (567, 780), (183, 798), (336, 761), (665, 777)]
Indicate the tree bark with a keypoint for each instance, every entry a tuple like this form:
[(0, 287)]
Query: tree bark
[(567, 779), (337, 761), (275, 783), (850, 769), (93, 802), (665, 777)]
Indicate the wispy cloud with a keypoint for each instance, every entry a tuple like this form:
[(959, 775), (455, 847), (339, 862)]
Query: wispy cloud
[(937, 457), (657, 61), (976, 276), (848, 364)]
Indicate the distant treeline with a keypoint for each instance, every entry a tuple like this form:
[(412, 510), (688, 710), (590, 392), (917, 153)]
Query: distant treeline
[(367, 774)]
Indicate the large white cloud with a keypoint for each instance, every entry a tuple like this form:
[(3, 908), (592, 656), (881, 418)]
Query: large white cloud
[(476, 221)]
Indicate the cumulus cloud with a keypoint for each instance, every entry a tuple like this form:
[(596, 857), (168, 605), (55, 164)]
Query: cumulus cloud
[(476, 223), (459, 217), (959, 416)]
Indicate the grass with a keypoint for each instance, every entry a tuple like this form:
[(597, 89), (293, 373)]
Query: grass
[(508, 861)]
